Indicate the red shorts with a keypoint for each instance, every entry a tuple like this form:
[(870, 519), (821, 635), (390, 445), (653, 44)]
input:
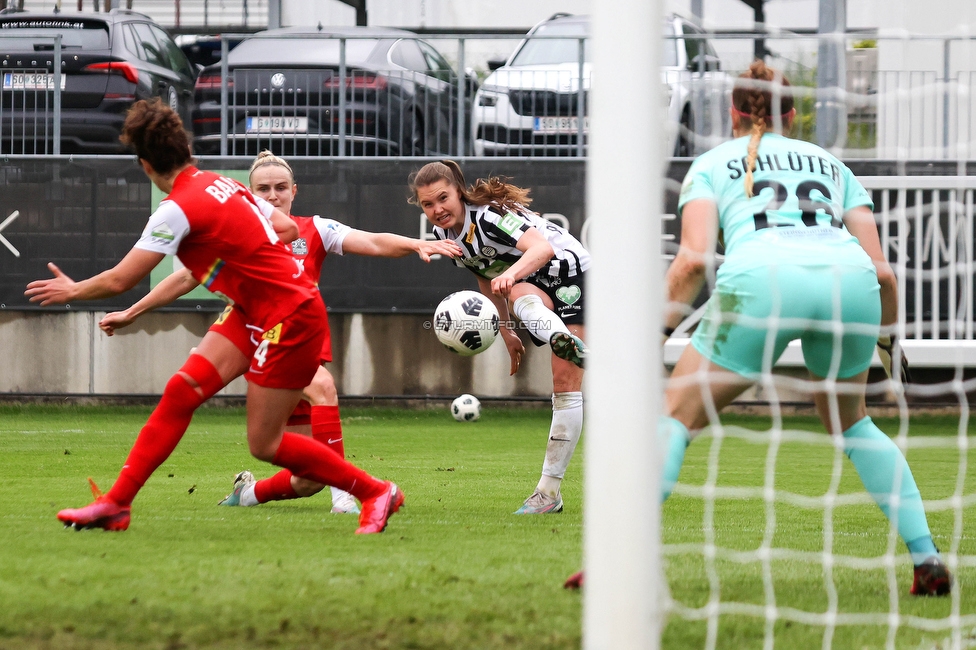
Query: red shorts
[(287, 355), (302, 414), (231, 325)]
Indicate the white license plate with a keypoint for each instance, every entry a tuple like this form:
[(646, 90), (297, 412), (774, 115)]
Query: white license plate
[(560, 125), (277, 125), (29, 81)]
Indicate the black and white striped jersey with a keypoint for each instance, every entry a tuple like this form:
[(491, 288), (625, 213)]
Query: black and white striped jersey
[(490, 235)]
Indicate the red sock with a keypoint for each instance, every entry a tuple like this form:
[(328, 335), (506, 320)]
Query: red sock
[(166, 426), (313, 460), (327, 428), (276, 488)]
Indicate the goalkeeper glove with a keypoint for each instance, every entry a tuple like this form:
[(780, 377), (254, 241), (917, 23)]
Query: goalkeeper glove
[(887, 344)]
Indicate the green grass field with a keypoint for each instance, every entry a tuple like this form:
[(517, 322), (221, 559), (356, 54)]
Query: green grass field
[(455, 569)]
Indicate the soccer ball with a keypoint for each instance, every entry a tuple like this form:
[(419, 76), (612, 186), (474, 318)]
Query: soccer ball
[(466, 322), (466, 408)]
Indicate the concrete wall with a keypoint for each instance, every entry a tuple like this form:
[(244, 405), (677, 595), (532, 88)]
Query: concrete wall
[(374, 354)]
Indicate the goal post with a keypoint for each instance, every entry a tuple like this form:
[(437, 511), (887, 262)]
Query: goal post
[(625, 593)]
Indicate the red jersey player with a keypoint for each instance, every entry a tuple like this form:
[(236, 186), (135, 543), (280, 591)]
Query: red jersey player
[(271, 178), (230, 242)]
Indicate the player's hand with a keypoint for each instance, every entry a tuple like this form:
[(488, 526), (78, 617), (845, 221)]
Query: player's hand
[(56, 291), (888, 349), (115, 320), (502, 285), (515, 348), (438, 247)]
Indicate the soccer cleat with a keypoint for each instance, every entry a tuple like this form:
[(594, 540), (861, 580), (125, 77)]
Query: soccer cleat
[(241, 481), (378, 510), (101, 513), (932, 578), (574, 581), (568, 347), (343, 503), (540, 504)]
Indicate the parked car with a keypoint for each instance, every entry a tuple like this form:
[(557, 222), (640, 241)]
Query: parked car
[(109, 61), (530, 104), (286, 93)]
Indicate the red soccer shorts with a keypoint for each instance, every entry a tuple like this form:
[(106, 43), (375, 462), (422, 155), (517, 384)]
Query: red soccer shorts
[(231, 325), (287, 355)]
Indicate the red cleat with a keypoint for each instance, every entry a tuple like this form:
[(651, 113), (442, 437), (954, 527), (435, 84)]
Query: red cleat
[(574, 581), (101, 513), (932, 578), (378, 510)]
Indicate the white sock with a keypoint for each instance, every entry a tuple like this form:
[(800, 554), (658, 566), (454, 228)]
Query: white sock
[(337, 494), (247, 496), (564, 434), (537, 318)]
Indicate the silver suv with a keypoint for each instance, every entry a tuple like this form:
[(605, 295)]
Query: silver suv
[(530, 105)]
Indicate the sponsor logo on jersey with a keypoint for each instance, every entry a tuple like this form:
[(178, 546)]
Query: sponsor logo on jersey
[(469, 239), (299, 246), (489, 251), (163, 232), (273, 335), (569, 295), (510, 223)]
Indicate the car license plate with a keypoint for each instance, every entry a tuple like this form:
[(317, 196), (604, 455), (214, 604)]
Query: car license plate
[(277, 125), (29, 81), (560, 125)]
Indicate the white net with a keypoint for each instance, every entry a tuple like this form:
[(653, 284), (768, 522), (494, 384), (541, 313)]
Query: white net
[(770, 537)]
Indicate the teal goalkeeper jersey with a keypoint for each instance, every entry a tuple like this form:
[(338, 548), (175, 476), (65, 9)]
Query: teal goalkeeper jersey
[(800, 195)]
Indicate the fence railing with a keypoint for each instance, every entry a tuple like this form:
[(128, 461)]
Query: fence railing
[(30, 105)]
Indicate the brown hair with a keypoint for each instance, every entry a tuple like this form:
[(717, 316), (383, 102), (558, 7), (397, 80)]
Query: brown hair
[(758, 94), (495, 190), (266, 158), (156, 132)]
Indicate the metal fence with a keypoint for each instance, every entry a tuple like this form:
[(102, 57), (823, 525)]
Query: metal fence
[(30, 105)]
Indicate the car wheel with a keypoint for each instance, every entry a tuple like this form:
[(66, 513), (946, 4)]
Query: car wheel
[(685, 145), (172, 98)]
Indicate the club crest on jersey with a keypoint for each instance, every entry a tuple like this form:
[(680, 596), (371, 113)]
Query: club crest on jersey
[(489, 251), (299, 246)]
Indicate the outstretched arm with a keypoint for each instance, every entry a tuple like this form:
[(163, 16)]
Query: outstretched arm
[(384, 244), (284, 226), (176, 284), (686, 275), (536, 252), (512, 341), (123, 276)]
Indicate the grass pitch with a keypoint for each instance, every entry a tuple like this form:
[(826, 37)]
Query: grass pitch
[(455, 569)]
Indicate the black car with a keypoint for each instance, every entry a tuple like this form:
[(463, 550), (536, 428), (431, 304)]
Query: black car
[(286, 92), (109, 61)]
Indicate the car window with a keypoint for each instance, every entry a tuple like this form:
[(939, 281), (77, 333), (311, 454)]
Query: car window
[(152, 51), (670, 57), (437, 66), (177, 60), (693, 46), (132, 43), (549, 51), (75, 34), (269, 52), (406, 54)]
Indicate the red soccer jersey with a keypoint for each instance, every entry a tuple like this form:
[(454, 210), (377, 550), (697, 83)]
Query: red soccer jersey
[(317, 237), (223, 235)]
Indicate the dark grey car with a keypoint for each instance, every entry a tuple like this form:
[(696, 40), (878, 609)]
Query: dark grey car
[(287, 91), (109, 61)]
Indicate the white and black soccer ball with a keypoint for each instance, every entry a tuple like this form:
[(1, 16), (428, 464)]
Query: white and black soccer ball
[(466, 322), (466, 408)]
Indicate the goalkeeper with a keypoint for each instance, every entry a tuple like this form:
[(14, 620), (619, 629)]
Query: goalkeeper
[(802, 261)]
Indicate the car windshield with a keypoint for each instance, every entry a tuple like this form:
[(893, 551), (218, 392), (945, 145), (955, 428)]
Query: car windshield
[(83, 34), (546, 51), (300, 51)]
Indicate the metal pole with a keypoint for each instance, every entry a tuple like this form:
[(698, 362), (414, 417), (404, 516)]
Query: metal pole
[(462, 100), (623, 598), (224, 73), (581, 103), (946, 46), (274, 14), (57, 96), (831, 75), (342, 96)]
